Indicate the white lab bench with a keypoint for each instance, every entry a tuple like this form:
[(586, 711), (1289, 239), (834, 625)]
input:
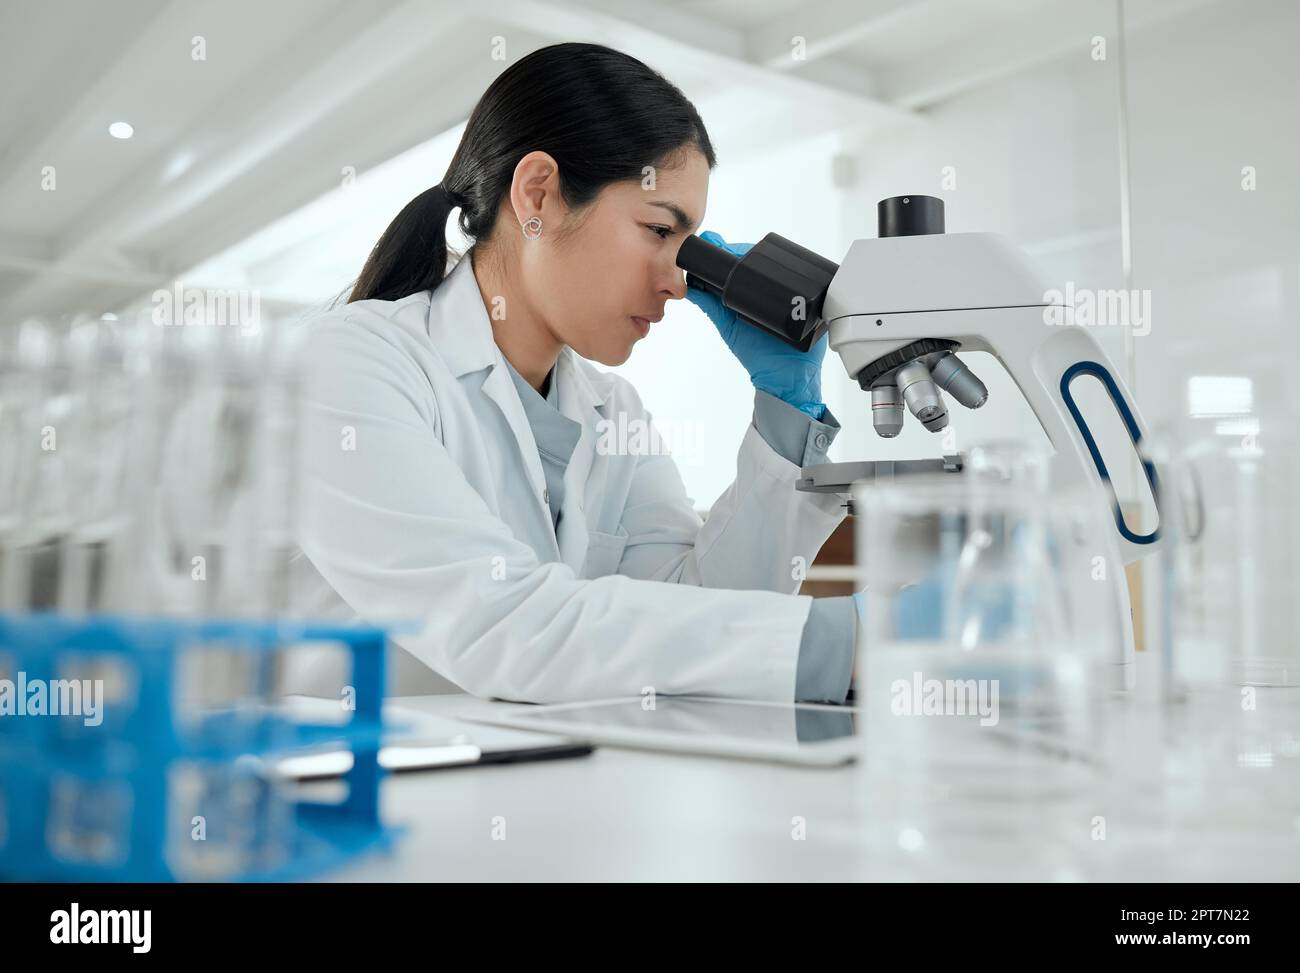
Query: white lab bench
[(621, 814)]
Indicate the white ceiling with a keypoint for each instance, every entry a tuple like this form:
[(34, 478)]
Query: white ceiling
[(236, 161)]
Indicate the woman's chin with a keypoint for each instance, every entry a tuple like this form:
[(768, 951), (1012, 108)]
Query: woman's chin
[(610, 357)]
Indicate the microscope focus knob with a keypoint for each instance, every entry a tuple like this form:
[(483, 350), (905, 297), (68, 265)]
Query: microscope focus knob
[(909, 216)]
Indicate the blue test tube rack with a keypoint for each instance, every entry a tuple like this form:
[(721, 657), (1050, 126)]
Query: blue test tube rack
[(118, 771)]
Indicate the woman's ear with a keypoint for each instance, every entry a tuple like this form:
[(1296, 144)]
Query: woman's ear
[(535, 189)]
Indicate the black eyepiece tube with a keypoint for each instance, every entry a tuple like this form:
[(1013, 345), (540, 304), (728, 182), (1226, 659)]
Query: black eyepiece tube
[(709, 265), (777, 285), (909, 216)]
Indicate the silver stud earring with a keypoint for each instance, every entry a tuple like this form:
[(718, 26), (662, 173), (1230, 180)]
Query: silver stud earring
[(532, 228)]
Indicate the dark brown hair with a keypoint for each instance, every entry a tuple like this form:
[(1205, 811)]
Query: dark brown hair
[(601, 114)]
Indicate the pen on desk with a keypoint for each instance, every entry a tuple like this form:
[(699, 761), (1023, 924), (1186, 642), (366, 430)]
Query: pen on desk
[(411, 756)]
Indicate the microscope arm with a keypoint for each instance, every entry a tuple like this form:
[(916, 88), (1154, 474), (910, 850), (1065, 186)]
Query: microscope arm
[(982, 294)]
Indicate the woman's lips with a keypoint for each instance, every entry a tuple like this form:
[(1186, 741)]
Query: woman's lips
[(642, 325)]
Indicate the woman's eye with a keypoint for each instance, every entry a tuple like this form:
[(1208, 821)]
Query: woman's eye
[(660, 231)]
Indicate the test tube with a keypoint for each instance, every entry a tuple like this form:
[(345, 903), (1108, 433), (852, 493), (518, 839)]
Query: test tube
[(25, 361)]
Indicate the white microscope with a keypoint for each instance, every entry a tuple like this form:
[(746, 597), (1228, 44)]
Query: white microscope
[(898, 308)]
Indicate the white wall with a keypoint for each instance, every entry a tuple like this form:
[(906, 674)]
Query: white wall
[(1214, 93)]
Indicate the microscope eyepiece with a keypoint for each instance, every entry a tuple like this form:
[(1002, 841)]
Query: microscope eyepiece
[(777, 286), (707, 267), (909, 216)]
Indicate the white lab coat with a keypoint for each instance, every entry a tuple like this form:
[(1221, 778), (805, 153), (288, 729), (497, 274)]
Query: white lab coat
[(424, 502)]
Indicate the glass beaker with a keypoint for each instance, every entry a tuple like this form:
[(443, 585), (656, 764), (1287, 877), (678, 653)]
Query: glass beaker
[(1231, 560), (1226, 628), (980, 660)]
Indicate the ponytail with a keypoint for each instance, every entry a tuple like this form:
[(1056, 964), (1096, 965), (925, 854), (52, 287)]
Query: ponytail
[(411, 256)]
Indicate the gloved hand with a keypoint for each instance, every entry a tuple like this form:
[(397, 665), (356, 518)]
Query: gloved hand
[(921, 609), (791, 375), (918, 611)]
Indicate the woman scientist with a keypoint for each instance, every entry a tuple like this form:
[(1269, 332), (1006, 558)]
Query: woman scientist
[(454, 472)]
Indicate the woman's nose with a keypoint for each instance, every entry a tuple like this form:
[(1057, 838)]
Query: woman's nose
[(675, 286)]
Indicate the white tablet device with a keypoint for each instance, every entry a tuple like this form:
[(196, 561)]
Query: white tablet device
[(796, 733)]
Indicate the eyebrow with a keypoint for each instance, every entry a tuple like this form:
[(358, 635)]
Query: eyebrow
[(684, 222)]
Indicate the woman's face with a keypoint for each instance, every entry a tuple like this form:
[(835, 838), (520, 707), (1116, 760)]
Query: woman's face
[(619, 261)]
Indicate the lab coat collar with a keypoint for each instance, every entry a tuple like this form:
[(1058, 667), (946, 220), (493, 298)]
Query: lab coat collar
[(459, 328)]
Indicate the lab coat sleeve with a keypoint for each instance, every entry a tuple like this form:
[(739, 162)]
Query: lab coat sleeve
[(792, 433), (826, 651), (760, 534), (399, 533)]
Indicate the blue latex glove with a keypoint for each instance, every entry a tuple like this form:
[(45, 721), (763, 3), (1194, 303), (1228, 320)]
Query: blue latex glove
[(776, 368), (919, 615), (920, 608)]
